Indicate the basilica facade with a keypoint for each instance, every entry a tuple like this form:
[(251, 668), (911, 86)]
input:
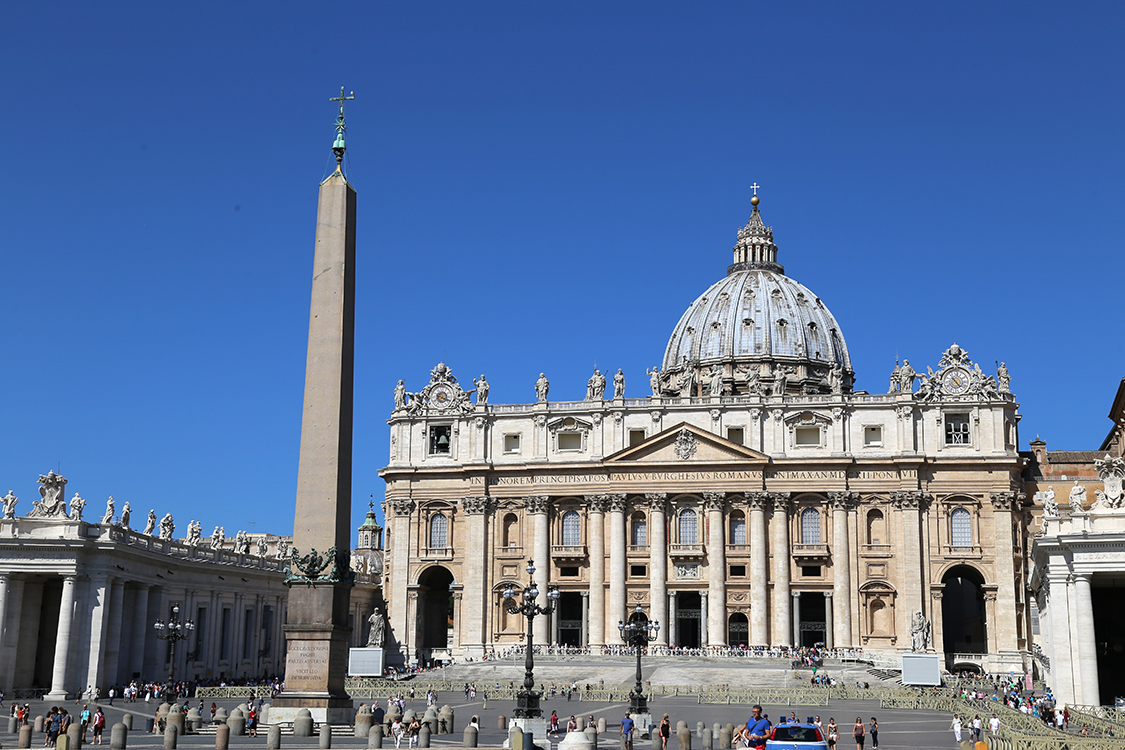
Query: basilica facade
[(754, 498)]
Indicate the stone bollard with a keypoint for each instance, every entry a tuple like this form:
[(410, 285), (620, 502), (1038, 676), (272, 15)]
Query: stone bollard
[(725, 736), (192, 721), (657, 744), (273, 738), (375, 736), (424, 735), (74, 732), (469, 739), (501, 722), (515, 739), (237, 723), (325, 736), (683, 736), (39, 724), (445, 720), (601, 725), (221, 716), (118, 736), (222, 737), (699, 726), (171, 736), (705, 742), (592, 735), (680, 725), (363, 722), (62, 742), (715, 729), (730, 728), (176, 718), (13, 725), (303, 724), (127, 720), (25, 737)]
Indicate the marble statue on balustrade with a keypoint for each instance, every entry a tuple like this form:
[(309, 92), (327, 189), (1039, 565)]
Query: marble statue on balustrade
[(619, 384), (482, 390), (595, 386), (654, 380), (194, 534), (282, 550), (53, 504), (242, 543), (836, 377), (377, 633), (921, 633), (263, 546), (150, 526), (110, 512), (895, 384), (76, 506), (10, 501), (1003, 378), (126, 512), (542, 386), (715, 387), (906, 376), (1077, 497), (1047, 499), (218, 537), (400, 395), (780, 381), (167, 527), (1111, 471), (751, 377)]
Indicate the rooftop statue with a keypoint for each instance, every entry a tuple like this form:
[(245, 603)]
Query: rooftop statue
[(53, 504)]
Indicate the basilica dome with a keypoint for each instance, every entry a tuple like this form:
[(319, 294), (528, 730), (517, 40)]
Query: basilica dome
[(757, 314)]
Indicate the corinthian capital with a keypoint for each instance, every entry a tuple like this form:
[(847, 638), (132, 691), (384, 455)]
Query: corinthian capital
[(782, 502), (714, 500), (656, 501), (842, 500), (537, 503), (477, 505), (758, 500), (615, 501), (401, 507), (595, 503)]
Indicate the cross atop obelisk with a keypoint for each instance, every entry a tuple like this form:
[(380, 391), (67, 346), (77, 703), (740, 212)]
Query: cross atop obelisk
[(320, 579), (340, 146)]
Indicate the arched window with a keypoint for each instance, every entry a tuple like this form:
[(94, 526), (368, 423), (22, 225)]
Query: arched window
[(571, 529), (810, 526), (688, 527), (638, 534), (737, 528), (876, 527), (366, 540), (961, 528), (439, 531), (511, 530)]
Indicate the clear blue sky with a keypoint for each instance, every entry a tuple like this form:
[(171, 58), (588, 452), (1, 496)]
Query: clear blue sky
[(541, 186)]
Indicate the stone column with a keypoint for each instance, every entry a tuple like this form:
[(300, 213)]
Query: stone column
[(831, 618), (714, 623), (401, 634), (672, 618), (782, 629), (759, 636), (140, 632), (616, 566), (584, 637), (475, 604), (554, 627), (61, 669), (595, 513), (909, 504), (938, 645), (1003, 504), (3, 629), (796, 618), (704, 623), (658, 563), (113, 639), (538, 515), (1063, 679), (841, 502), (1087, 668), (10, 642), (99, 624)]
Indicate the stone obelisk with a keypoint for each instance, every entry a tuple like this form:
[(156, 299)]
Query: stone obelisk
[(320, 580)]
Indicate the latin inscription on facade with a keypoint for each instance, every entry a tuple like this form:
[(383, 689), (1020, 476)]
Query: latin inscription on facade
[(686, 476)]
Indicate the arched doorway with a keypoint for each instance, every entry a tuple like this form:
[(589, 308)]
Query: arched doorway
[(435, 612), (689, 618), (962, 612), (738, 630)]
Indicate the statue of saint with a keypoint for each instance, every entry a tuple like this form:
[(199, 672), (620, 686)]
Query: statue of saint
[(836, 378), (377, 631), (167, 527), (10, 501), (1077, 497), (109, 511), (1050, 506), (282, 548), (1004, 378), (400, 396), (654, 380), (619, 384), (895, 382), (716, 387), (542, 385), (482, 390), (76, 506), (194, 533), (263, 546), (920, 634), (906, 377), (217, 538), (151, 525), (595, 387), (125, 513), (780, 381)]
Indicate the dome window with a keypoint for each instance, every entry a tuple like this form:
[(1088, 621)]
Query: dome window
[(716, 325), (748, 322), (801, 300), (776, 294)]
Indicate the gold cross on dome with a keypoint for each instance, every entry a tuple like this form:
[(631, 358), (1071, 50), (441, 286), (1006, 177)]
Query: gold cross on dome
[(753, 187)]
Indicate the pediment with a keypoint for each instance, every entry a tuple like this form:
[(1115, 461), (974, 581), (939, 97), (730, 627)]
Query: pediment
[(686, 443)]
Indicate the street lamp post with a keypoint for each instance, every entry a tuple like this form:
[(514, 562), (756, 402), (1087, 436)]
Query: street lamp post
[(527, 700), (173, 631), (638, 632)]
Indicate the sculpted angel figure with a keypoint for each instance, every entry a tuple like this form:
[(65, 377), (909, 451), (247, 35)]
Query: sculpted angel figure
[(125, 513), (109, 511), (1077, 497), (151, 525), (76, 506), (167, 527), (10, 501), (542, 385)]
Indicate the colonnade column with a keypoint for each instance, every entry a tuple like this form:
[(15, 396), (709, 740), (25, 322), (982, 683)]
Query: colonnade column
[(704, 625), (62, 641), (595, 512), (672, 619), (116, 602), (538, 508), (938, 644), (139, 633), (583, 635), (475, 604), (1087, 667), (841, 612), (616, 564), (99, 624), (3, 617), (714, 617), (830, 621), (1062, 665), (796, 618), (658, 563), (10, 643), (759, 635), (781, 629)]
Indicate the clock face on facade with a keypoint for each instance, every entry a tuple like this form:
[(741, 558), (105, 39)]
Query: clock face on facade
[(441, 396), (955, 381)]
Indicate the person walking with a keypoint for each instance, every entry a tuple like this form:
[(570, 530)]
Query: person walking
[(554, 723), (665, 732), (994, 725), (833, 732), (977, 724), (859, 733), (874, 733), (955, 725), (412, 732), (757, 729), (627, 731), (396, 731)]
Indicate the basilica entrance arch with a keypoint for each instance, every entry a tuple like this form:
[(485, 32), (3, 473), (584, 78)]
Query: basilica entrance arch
[(689, 619), (962, 612), (568, 610), (738, 630), (435, 613)]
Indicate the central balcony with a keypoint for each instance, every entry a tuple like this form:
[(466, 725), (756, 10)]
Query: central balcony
[(568, 552), (685, 551), (810, 551)]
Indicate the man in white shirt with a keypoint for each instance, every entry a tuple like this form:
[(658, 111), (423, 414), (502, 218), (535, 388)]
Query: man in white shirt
[(994, 725)]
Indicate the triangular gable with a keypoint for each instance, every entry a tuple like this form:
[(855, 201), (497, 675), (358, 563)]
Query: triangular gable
[(686, 443)]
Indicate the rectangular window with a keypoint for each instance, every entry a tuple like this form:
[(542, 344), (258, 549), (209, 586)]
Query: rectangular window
[(810, 571), (636, 436), (440, 439), (872, 436), (1034, 617), (638, 571), (512, 443), (808, 437), (224, 636), (248, 635), (957, 429), (738, 571), (736, 435), (568, 572), (570, 441)]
